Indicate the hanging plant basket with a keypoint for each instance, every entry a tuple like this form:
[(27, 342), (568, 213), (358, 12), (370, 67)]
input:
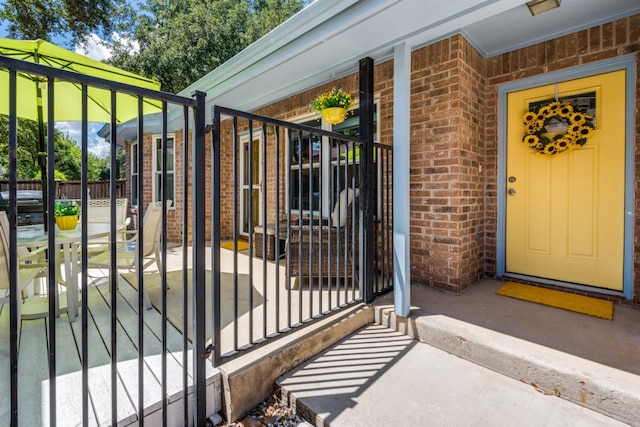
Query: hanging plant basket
[(334, 115), (68, 222), (333, 105)]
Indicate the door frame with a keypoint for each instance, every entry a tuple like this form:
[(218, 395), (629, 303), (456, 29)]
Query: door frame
[(244, 140), (627, 63)]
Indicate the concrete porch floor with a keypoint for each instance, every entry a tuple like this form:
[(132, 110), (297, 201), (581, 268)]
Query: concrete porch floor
[(478, 359)]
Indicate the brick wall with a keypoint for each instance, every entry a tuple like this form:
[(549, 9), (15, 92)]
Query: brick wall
[(447, 145), (174, 216)]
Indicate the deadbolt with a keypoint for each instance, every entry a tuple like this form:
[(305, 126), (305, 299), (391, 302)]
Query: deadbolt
[(511, 191), (512, 179)]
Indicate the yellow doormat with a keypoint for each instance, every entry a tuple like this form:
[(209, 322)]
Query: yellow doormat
[(567, 301), (228, 244)]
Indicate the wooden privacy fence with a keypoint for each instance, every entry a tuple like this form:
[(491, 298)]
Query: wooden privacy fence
[(71, 189)]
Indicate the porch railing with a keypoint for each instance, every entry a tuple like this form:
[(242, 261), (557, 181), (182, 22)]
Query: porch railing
[(292, 192)]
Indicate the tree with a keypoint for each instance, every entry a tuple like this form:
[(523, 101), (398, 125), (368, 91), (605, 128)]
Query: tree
[(67, 154), (27, 149), (268, 14), (43, 19), (182, 40)]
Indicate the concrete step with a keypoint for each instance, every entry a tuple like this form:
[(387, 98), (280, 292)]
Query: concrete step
[(381, 377), (604, 389)]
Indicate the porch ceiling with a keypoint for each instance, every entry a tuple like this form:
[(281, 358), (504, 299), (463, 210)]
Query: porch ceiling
[(326, 39)]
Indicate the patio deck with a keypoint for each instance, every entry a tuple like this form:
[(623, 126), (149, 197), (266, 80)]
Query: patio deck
[(33, 364)]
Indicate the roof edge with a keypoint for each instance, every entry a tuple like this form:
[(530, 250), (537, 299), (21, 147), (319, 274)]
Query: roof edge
[(306, 20)]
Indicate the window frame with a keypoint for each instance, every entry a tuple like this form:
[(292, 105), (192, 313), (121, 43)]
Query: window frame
[(155, 171), (326, 207), (135, 175)]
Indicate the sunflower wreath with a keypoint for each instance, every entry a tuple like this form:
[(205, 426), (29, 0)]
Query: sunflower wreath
[(580, 126)]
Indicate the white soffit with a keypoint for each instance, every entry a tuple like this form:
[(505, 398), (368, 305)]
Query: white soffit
[(516, 28)]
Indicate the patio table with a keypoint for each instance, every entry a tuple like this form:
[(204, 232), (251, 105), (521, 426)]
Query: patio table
[(33, 236)]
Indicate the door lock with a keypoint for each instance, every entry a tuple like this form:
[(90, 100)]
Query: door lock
[(511, 191), (512, 179)]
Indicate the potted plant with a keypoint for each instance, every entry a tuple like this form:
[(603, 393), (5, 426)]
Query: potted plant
[(66, 213), (333, 105)]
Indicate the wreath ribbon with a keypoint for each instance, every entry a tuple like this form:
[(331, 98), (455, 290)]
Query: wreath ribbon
[(579, 127)]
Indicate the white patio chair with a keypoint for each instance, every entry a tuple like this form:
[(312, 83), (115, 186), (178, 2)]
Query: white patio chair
[(26, 276), (28, 258), (99, 211), (127, 259)]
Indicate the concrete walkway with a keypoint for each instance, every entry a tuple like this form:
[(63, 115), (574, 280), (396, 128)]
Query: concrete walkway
[(479, 359)]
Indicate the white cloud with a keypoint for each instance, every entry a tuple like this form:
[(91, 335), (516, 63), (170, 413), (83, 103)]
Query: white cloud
[(94, 48), (96, 145), (132, 45)]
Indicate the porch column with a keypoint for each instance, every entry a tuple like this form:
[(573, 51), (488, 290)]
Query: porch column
[(401, 151)]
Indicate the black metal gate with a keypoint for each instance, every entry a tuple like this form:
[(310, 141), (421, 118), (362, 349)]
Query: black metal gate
[(117, 362), (305, 223)]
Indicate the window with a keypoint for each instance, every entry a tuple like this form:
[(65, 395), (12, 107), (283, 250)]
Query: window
[(316, 167), (134, 174), (157, 169), (304, 152)]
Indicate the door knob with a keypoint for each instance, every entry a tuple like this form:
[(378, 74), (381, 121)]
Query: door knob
[(512, 179), (511, 191)]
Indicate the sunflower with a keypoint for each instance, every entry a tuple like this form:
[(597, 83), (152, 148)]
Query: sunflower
[(532, 128), (574, 128), (529, 117), (550, 148), (578, 118), (584, 132), (531, 140), (563, 144), (553, 108), (545, 112), (565, 110)]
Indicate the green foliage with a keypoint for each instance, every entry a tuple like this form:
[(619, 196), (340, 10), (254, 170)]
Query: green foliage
[(67, 155), (66, 207), (27, 150), (57, 175), (182, 40), (44, 19), (334, 98), (268, 14)]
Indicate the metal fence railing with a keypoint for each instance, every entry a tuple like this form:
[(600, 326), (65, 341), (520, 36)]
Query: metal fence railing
[(80, 344), (296, 195), (270, 219)]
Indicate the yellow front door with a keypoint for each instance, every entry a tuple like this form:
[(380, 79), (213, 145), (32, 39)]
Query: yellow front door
[(565, 211)]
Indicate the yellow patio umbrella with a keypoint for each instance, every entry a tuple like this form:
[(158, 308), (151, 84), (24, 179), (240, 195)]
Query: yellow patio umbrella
[(66, 109), (32, 94)]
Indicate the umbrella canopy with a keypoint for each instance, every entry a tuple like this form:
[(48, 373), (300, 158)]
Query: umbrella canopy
[(67, 95), (32, 100)]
